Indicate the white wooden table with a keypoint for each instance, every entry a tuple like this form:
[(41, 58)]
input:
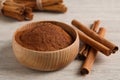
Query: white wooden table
[(86, 11)]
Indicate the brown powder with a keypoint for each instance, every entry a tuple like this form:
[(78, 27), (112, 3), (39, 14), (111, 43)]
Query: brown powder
[(44, 37)]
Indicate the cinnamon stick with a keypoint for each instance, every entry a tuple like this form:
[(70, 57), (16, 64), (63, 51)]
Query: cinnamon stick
[(113, 48), (82, 48), (85, 48), (50, 2), (85, 52), (17, 11), (95, 26), (98, 46), (55, 8), (80, 55), (87, 65)]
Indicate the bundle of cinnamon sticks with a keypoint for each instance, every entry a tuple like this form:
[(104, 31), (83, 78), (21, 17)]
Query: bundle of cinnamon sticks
[(44, 5), (22, 9), (93, 42), (16, 11)]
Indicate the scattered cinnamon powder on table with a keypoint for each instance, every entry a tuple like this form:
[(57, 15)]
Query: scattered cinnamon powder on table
[(44, 37)]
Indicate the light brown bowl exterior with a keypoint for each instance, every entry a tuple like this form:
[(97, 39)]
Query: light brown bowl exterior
[(46, 60)]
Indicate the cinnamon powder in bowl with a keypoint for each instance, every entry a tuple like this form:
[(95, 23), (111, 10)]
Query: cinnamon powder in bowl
[(44, 37), (45, 45)]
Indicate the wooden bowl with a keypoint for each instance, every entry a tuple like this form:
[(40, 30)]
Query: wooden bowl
[(46, 60)]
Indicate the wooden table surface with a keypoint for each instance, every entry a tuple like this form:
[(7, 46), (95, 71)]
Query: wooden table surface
[(86, 11)]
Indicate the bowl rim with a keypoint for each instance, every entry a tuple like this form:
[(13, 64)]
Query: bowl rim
[(76, 37)]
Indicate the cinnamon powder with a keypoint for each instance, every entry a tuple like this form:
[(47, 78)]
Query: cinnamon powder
[(44, 37)]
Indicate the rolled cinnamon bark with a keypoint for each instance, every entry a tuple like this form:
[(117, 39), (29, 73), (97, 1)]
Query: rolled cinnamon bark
[(55, 8), (82, 48), (98, 46), (80, 53), (113, 48), (85, 52), (87, 65), (94, 27), (50, 2), (17, 11), (85, 47)]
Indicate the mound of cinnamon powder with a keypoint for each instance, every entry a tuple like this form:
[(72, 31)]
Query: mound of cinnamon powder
[(44, 37)]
